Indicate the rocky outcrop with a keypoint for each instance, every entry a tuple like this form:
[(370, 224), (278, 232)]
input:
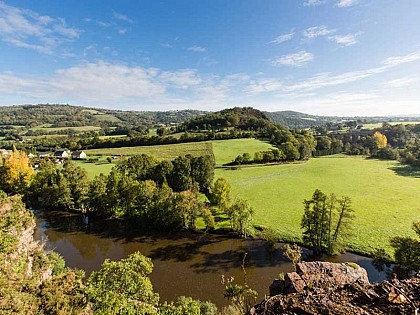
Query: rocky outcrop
[(329, 288)]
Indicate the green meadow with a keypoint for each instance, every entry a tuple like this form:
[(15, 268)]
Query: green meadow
[(385, 203), (385, 194), (379, 125), (52, 129), (166, 151), (226, 151), (96, 168)]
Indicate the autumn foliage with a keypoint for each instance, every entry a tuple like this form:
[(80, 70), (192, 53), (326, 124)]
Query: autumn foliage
[(380, 140), (16, 172)]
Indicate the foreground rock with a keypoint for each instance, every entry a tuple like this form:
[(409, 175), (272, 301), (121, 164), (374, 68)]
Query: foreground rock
[(329, 288)]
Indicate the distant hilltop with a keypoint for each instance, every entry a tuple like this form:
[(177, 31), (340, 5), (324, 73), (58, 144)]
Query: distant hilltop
[(58, 115)]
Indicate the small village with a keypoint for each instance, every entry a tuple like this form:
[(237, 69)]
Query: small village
[(57, 157)]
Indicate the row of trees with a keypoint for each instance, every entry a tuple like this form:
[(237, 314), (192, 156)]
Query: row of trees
[(393, 142), (150, 193)]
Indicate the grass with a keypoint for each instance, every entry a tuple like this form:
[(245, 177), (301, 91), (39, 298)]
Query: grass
[(379, 125), (93, 169), (52, 129), (385, 194), (112, 137), (167, 151), (385, 203), (226, 151)]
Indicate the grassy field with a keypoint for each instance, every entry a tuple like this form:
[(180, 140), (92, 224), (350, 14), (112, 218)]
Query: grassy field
[(385, 203), (226, 151), (379, 125), (52, 129), (112, 137), (167, 151), (94, 169)]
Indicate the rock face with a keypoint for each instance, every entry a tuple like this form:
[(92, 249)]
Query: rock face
[(329, 288)]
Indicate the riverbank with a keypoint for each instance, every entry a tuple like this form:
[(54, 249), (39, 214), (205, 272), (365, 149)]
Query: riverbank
[(189, 264)]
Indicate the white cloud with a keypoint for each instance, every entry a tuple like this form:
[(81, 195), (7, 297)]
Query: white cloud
[(183, 79), (28, 29), (310, 3), (395, 61), (283, 38), (122, 17), (105, 84), (327, 79), (345, 40), (263, 86), (297, 59), (122, 31), (316, 31), (346, 3), (402, 82), (197, 49), (166, 45)]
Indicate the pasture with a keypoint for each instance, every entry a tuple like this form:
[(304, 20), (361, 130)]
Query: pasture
[(161, 152), (393, 123), (95, 168), (226, 151), (385, 203), (56, 129)]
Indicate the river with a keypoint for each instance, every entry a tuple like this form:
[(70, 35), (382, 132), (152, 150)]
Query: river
[(186, 264)]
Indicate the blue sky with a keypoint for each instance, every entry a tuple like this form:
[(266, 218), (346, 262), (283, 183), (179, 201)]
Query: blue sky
[(328, 57)]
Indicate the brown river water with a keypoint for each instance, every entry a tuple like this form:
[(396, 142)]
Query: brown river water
[(186, 264)]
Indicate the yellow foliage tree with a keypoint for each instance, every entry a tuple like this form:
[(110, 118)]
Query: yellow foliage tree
[(17, 171), (380, 140)]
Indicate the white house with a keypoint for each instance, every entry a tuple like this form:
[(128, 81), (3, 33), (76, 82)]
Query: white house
[(78, 155), (61, 154)]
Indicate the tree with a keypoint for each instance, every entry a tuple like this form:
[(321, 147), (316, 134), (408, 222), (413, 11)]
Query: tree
[(186, 203), (325, 221), (202, 171), (290, 151), (137, 166), (407, 250), (78, 183), (97, 197), (221, 193), (380, 140), (123, 287), (50, 188), (316, 222), (16, 172), (240, 215), (180, 178)]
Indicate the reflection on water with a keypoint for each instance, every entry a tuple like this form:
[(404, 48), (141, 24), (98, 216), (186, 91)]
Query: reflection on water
[(184, 263)]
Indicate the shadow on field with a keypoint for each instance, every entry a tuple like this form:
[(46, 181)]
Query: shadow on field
[(407, 170)]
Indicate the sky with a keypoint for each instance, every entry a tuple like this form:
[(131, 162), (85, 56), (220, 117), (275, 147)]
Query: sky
[(324, 57)]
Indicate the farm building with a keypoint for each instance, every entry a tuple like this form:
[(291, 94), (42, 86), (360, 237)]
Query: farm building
[(61, 154), (78, 155)]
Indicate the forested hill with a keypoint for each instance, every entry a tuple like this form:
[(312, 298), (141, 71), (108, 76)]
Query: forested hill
[(293, 119), (56, 115), (299, 120), (245, 118)]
